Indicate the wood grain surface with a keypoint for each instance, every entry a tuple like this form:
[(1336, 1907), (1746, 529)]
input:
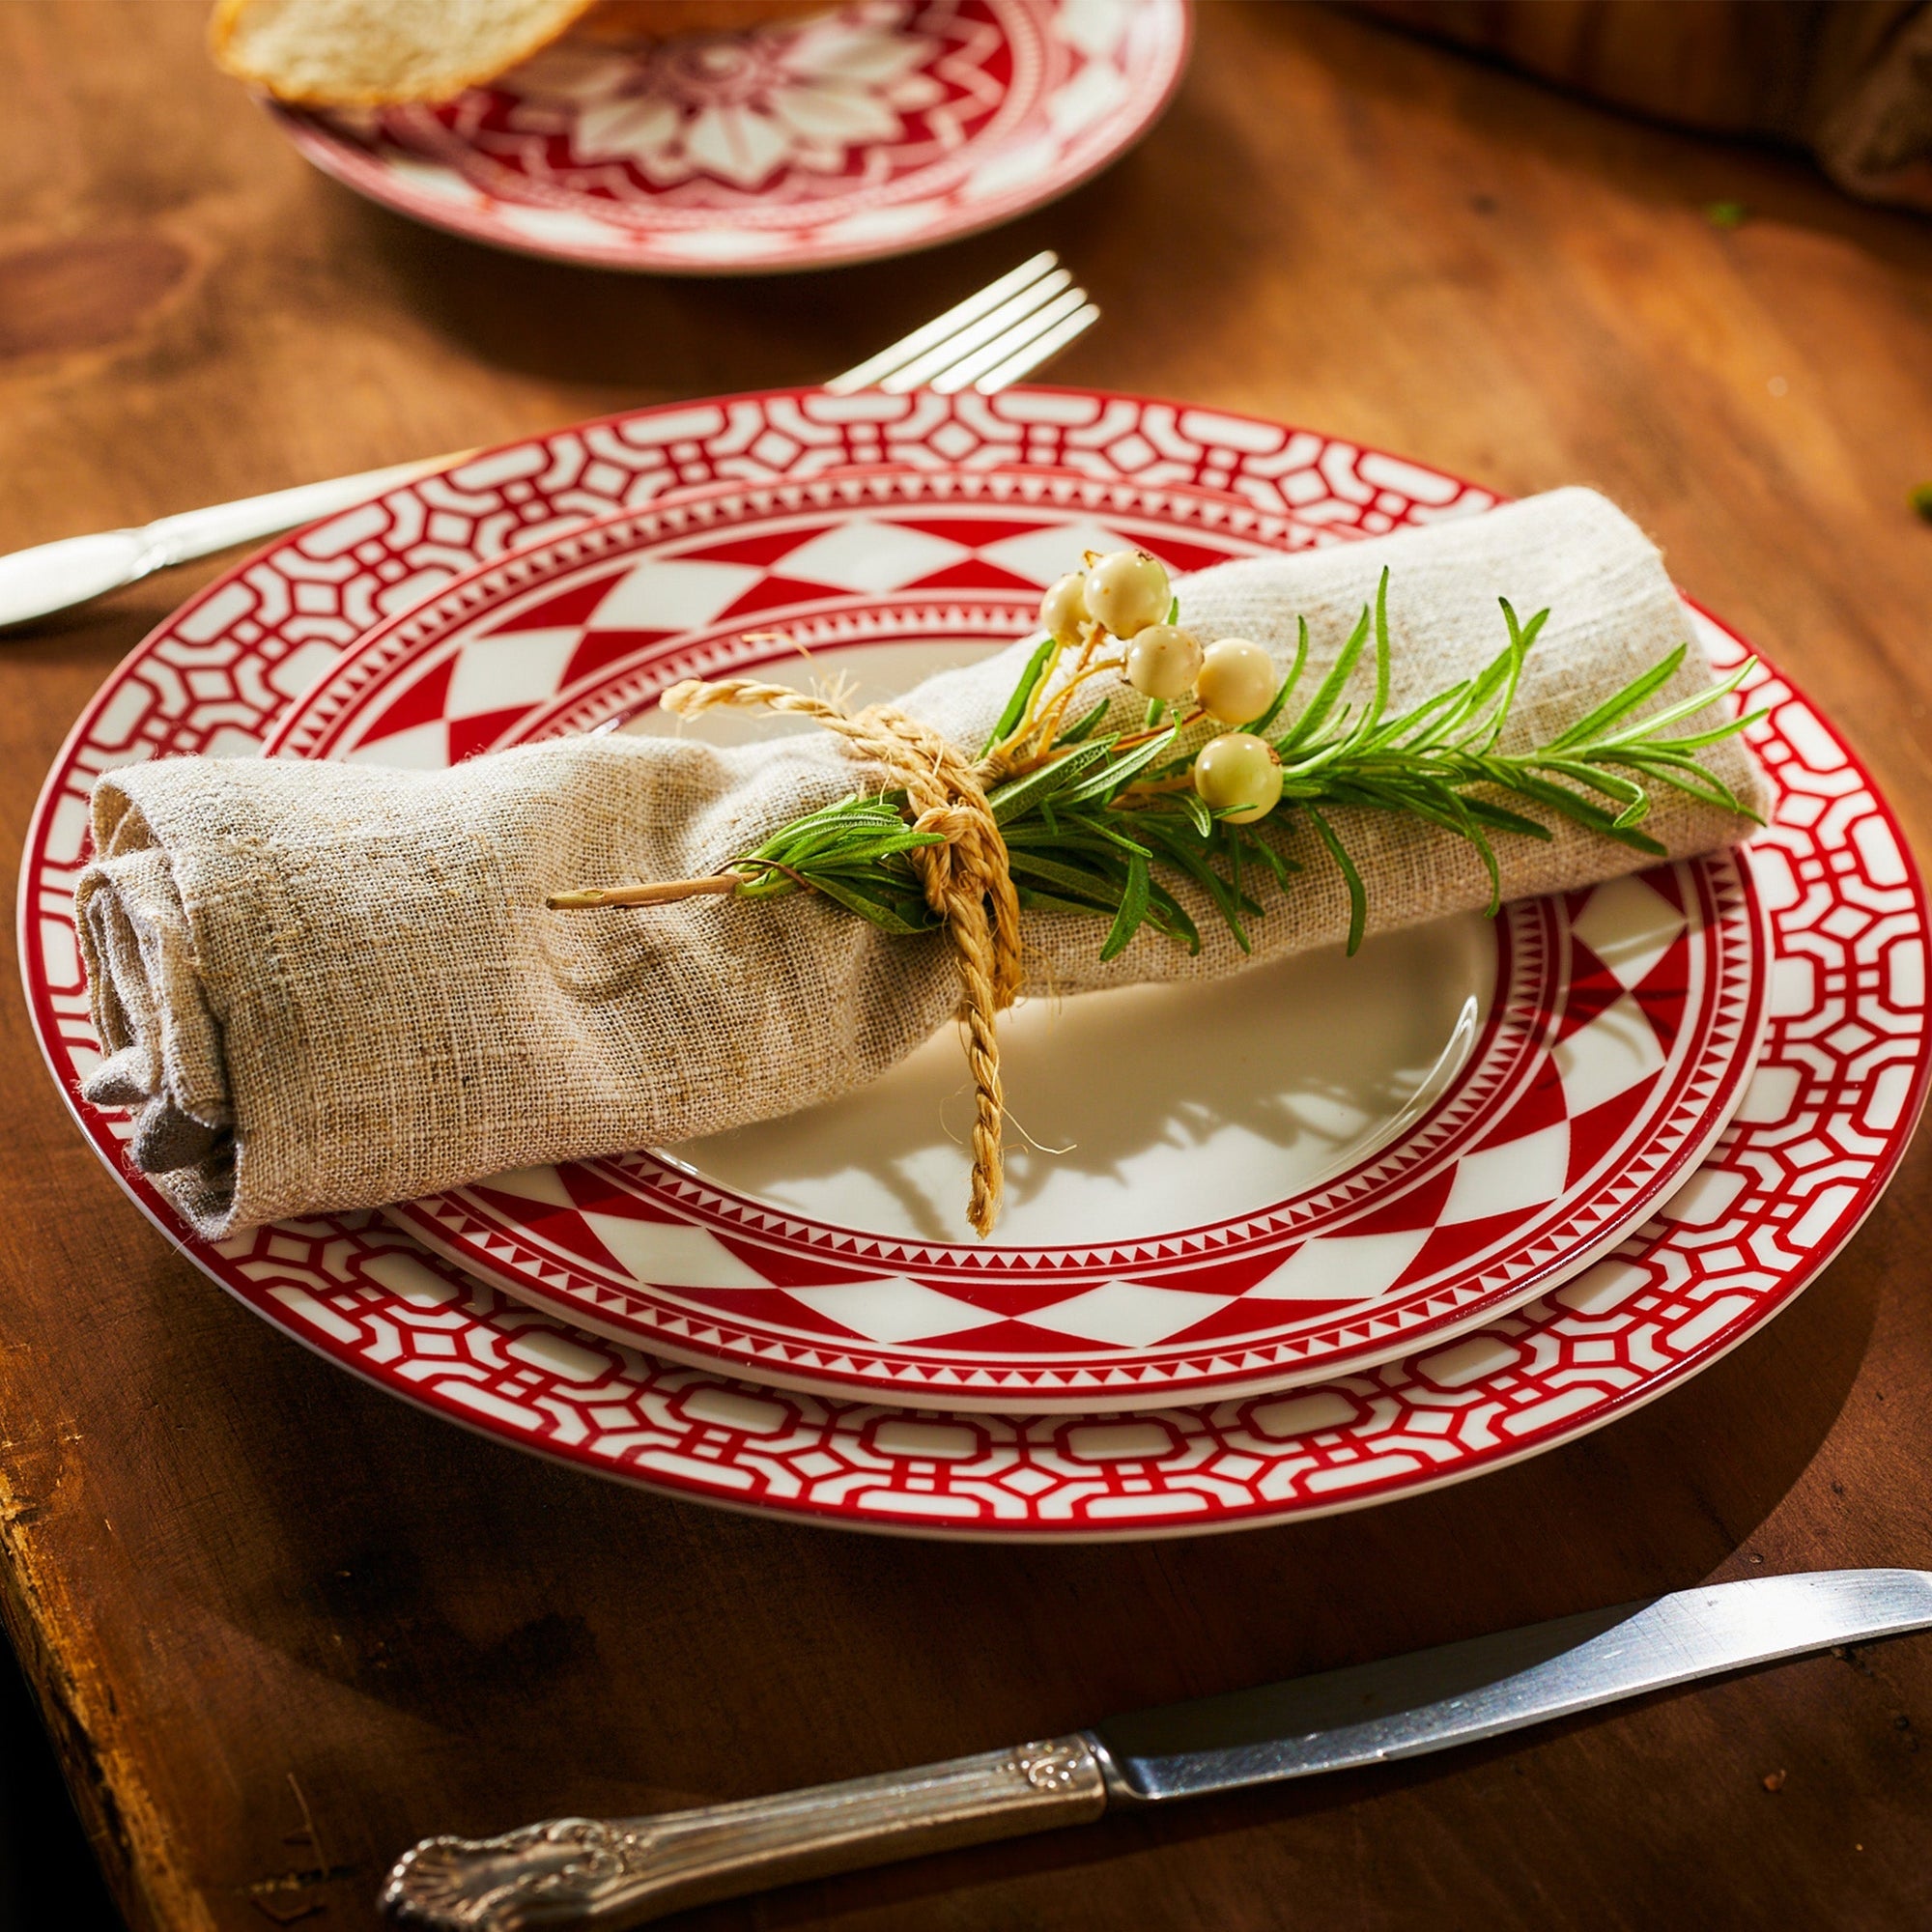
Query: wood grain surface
[(282, 1625)]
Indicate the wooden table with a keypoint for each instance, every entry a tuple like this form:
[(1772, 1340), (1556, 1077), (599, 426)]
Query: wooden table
[(283, 1625)]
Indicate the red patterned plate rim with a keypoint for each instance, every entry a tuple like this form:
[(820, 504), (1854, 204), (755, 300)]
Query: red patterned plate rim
[(806, 1303), (1841, 1083), (1028, 115)]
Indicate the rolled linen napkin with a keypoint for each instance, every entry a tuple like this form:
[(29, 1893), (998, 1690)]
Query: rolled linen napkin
[(325, 986)]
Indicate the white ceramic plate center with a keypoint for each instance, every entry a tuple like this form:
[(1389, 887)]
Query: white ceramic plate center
[(1124, 1105)]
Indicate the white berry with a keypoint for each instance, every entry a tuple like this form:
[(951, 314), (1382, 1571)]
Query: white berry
[(1064, 608), (1237, 681), (1163, 661), (1127, 590), (1239, 774)]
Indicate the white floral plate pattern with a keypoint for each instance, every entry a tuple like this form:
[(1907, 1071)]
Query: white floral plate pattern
[(1840, 1083), (888, 125), (1621, 1024)]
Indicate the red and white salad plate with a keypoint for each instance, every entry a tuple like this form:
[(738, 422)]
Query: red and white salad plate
[(1325, 1164), (886, 125), (1838, 1084)]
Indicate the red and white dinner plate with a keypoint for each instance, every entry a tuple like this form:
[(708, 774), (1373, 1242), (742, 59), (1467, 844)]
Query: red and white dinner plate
[(886, 125), (1839, 1083), (1324, 1165)]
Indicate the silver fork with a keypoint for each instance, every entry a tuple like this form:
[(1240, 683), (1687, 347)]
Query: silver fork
[(986, 342)]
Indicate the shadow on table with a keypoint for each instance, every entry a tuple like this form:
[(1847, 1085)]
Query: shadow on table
[(625, 339), (48, 1877)]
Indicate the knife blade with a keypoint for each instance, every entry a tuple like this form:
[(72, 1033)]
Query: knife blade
[(582, 1872), (1459, 1693)]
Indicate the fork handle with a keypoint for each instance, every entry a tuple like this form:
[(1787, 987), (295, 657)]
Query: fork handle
[(586, 1872), (56, 576)]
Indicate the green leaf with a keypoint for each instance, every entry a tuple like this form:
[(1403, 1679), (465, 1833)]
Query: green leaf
[(1499, 818), (1328, 691), (1583, 811), (842, 892), (1066, 878), (1731, 728), (1171, 916), (1115, 774), (1133, 910), (1684, 707), (1633, 802), (1483, 712), (1259, 727), (1359, 897), (1521, 636), (1113, 835), (1628, 698), (1187, 857), (1412, 724), (1017, 704), (1020, 795), (1378, 704), (1032, 899), (1083, 725), (1279, 866)]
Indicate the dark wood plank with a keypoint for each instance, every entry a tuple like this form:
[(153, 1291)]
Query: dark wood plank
[(245, 1584)]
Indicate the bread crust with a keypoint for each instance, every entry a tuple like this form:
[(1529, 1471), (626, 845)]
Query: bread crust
[(299, 81)]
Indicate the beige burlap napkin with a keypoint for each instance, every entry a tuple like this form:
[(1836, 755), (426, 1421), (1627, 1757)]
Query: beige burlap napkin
[(325, 986)]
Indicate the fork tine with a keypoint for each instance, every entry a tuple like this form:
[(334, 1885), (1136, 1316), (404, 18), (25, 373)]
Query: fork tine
[(941, 326), (969, 368), (1041, 349), (921, 369)]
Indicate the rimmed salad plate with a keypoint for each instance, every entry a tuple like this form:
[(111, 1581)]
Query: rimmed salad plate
[(1301, 1173), (864, 131)]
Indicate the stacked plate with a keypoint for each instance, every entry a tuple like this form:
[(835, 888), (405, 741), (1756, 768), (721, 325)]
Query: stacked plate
[(1331, 1233)]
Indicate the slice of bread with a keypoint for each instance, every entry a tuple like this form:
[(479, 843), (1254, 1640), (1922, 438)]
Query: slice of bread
[(378, 53), (373, 53)]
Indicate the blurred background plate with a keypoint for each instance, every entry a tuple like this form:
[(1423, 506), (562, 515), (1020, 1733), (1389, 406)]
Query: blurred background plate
[(888, 125)]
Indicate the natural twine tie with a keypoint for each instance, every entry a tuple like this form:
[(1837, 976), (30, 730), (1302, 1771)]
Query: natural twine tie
[(967, 880)]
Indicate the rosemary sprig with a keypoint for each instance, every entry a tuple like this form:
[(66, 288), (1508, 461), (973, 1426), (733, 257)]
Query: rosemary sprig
[(1104, 825)]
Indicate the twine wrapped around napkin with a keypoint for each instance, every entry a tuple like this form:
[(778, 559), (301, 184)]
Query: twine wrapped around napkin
[(327, 986)]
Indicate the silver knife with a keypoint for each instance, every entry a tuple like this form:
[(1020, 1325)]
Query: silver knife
[(582, 1872)]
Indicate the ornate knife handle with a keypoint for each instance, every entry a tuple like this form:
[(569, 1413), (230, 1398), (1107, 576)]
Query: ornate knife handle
[(572, 1872)]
